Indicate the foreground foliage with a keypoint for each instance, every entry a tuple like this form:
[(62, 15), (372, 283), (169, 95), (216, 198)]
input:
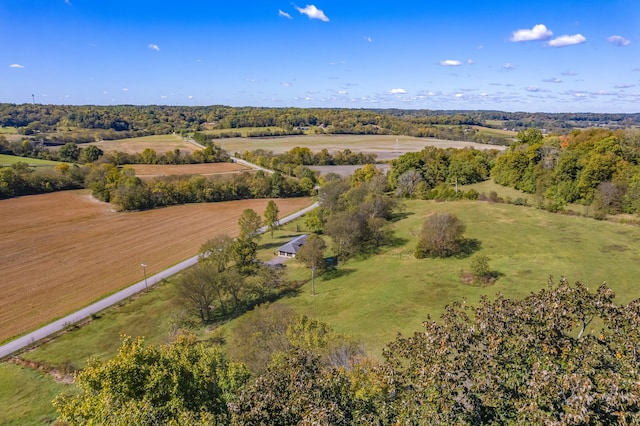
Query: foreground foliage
[(181, 383), (564, 355)]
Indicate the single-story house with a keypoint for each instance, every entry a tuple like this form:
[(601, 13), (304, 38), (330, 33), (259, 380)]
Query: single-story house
[(291, 248)]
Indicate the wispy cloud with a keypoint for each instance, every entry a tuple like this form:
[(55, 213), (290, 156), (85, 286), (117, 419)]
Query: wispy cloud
[(508, 67), (552, 80), (618, 40), (368, 39), (124, 89), (570, 73), (16, 66), (624, 86), (312, 12), (567, 40), (284, 14), (286, 84), (398, 91), (450, 63), (155, 47), (532, 89), (68, 2), (538, 32)]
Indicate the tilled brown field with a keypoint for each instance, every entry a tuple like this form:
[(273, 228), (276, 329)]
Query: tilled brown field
[(61, 251), (152, 170)]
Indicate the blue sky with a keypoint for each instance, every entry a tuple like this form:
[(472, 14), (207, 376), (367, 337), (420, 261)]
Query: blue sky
[(551, 56)]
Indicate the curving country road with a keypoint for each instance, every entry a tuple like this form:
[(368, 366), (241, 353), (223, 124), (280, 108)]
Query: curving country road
[(58, 325)]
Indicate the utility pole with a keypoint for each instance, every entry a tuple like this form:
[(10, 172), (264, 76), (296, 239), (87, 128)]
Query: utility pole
[(144, 271)]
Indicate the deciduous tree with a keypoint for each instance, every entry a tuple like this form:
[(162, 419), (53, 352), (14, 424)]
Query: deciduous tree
[(441, 236), (271, 216)]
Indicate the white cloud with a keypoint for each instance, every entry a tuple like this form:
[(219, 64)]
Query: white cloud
[(286, 84), (538, 32), (470, 61), (154, 47), (124, 89), (450, 63), (570, 73), (398, 91), (68, 2), (552, 80), (313, 12), (567, 40), (533, 89), (508, 66), (624, 86), (16, 66), (368, 39), (618, 40), (342, 92), (284, 14)]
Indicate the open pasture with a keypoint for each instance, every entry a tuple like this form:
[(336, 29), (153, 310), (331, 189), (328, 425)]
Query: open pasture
[(384, 147), (159, 143), (64, 250), (7, 160), (206, 169)]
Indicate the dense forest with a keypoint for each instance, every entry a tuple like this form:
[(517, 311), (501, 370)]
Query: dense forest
[(65, 123)]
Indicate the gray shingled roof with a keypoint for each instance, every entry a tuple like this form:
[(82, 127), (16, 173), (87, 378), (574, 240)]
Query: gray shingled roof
[(294, 245)]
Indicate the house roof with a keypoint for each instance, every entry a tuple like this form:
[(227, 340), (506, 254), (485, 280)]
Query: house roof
[(294, 245)]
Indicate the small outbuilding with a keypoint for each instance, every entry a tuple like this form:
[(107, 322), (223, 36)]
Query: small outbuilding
[(291, 248)]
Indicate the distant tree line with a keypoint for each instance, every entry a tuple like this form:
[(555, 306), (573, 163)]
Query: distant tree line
[(59, 124), (121, 187), (435, 173), (20, 179), (599, 168), (303, 156)]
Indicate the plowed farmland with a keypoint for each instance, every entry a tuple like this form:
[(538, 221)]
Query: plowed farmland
[(61, 251), (206, 169)]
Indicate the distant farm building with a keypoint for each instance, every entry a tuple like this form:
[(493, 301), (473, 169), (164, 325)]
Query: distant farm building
[(292, 247)]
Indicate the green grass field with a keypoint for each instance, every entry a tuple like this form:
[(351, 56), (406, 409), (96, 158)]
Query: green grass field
[(25, 396), (244, 131), (7, 160), (376, 297), (8, 130)]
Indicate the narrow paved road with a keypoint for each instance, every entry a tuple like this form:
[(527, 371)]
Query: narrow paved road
[(54, 327)]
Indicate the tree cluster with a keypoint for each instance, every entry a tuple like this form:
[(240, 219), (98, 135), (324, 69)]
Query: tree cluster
[(303, 156), (354, 214), (126, 191), (432, 172), (596, 167), (563, 355), (20, 179)]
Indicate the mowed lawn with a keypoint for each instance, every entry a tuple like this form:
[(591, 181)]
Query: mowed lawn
[(61, 251), (7, 160), (377, 297)]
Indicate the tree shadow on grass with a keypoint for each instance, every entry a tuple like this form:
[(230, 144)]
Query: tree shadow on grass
[(336, 273), (468, 246), (398, 216)]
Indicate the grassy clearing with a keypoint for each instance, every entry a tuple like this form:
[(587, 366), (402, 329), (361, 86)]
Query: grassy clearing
[(396, 292), (6, 160), (149, 315), (8, 130), (25, 396), (244, 131)]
